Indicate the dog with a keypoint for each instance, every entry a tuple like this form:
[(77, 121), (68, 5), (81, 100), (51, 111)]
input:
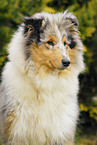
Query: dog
[(38, 92)]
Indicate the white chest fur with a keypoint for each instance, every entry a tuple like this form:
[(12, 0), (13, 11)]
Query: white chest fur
[(47, 111)]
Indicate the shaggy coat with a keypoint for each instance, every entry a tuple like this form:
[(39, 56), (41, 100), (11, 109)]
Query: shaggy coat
[(38, 93)]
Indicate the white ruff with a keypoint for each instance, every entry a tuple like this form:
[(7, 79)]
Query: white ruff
[(48, 107)]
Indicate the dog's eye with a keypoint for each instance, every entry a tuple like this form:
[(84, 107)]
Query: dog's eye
[(50, 43)]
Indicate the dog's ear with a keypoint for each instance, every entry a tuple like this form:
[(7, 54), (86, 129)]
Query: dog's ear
[(70, 18), (73, 19), (32, 24)]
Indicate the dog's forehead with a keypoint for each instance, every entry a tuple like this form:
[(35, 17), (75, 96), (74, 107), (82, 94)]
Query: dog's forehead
[(54, 25), (53, 20), (58, 24), (54, 30), (57, 17)]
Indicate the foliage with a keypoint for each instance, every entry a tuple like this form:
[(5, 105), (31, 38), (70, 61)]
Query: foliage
[(12, 13)]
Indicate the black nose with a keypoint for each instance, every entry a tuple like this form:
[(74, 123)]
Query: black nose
[(65, 62)]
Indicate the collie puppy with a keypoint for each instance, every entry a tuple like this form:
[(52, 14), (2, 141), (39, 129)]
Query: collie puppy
[(38, 93)]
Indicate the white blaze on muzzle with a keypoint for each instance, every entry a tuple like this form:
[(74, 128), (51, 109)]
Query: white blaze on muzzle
[(60, 44), (63, 51)]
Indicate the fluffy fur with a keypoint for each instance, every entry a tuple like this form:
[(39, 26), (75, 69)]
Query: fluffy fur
[(38, 94)]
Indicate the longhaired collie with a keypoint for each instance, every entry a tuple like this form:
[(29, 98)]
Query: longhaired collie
[(38, 92)]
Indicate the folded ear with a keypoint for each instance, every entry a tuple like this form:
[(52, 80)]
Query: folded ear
[(33, 24), (72, 18)]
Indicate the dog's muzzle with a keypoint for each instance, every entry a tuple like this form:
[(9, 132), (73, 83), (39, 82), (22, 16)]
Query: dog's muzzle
[(65, 63)]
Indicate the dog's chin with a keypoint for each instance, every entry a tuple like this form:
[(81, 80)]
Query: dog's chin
[(60, 68), (52, 69), (63, 68)]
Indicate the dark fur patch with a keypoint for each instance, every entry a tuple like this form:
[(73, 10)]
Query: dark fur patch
[(72, 42), (32, 31), (35, 24)]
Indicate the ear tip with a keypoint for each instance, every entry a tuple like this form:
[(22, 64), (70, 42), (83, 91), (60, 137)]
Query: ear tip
[(26, 19), (73, 20)]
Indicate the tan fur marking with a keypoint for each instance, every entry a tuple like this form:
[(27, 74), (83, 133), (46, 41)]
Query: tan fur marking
[(64, 39), (53, 38), (46, 59), (74, 30), (43, 23), (72, 54), (9, 125)]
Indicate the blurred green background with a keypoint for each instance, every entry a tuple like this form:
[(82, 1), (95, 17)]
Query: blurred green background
[(11, 15)]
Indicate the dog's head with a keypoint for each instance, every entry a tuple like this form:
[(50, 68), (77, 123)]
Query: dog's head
[(51, 42)]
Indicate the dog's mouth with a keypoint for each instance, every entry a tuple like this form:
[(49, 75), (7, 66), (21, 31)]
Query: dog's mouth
[(61, 67)]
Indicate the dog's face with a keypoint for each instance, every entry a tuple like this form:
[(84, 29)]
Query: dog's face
[(52, 41)]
